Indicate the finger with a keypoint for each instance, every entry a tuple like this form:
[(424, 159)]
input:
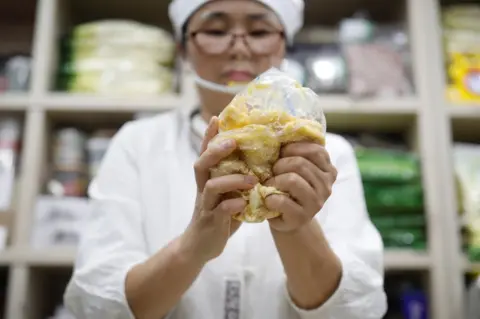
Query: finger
[(218, 186), (282, 204), (315, 153), (230, 207), (210, 133), (303, 167), (210, 158), (292, 214), (296, 187)]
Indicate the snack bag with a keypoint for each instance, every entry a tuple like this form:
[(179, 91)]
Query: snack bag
[(272, 111), (467, 168)]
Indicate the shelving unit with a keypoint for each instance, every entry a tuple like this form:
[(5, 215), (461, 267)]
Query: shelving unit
[(428, 122)]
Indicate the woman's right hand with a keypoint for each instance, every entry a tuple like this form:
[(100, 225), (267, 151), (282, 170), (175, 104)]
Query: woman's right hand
[(212, 223)]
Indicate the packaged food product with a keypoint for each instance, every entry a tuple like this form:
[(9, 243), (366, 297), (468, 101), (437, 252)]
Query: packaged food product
[(69, 172), (117, 57), (467, 169), (375, 71), (18, 69), (118, 33), (388, 166), (462, 52), (395, 198), (462, 16), (325, 69), (114, 77), (404, 238), (375, 68), (402, 221), (273, 110), (10, 134)]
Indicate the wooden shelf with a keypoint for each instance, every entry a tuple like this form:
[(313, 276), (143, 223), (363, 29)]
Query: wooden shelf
[(407, 260), (65, 256), (464, 112), (47, 257), (14, 101), (338, 104), (421, 119), (65, 102), (7, 257), (465, 122)]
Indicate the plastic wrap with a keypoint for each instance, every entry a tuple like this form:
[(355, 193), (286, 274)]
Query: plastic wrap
[(467, 168), (272, 111), (387, 166), (376, 58), (394, 198), (109, 37), (117, 57), (461, 24)]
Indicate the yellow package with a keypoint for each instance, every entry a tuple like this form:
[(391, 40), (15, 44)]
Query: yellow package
[(462, 48), (464, 77), (272, 111)]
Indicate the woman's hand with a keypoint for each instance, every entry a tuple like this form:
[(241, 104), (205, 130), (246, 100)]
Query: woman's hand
[(305, 172), (212, 223)]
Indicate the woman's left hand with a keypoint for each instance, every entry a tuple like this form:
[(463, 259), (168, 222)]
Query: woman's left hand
[(304, 171)]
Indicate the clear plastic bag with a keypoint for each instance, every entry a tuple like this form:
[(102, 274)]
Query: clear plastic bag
[(117, 57), (272, 111)]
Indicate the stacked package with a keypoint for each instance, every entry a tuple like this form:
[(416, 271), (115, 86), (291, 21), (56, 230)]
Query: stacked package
[(117, 57), (76, 158), (461, 25), (467, 169), (394, 195), (10, 143), (15, 73), (359, 57)]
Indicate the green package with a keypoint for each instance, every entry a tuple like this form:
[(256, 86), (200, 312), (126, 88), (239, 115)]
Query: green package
[(403, 238), (396, 197), (387, 166), (402, 221), (467, 168)]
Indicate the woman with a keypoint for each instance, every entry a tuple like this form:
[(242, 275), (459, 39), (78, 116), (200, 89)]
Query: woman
[(161, 241)]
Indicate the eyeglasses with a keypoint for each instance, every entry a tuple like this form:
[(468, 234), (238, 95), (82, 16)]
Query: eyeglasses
[(218, 42)]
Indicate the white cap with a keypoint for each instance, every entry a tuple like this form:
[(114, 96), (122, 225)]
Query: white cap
[(290, 13)]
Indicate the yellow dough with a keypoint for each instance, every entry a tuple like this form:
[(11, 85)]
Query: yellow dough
[(259, 135)]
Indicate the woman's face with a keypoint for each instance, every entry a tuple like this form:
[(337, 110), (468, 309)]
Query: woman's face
[(218, 57)]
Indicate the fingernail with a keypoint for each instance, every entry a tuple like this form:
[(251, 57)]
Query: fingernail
[(251, 179), (227, 144)]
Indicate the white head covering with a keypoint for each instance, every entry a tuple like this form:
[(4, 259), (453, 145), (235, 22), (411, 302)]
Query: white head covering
[(290, 13)]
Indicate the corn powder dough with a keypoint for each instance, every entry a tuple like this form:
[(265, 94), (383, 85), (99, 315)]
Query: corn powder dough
[(259, 135)]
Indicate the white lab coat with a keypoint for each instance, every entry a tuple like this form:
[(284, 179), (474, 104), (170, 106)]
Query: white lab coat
[(144, 196)]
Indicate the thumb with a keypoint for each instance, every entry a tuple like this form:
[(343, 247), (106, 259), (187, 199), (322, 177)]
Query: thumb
[(210, 133)]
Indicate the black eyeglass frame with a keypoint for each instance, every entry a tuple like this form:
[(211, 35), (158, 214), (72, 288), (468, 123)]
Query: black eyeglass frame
[(192, 35)]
